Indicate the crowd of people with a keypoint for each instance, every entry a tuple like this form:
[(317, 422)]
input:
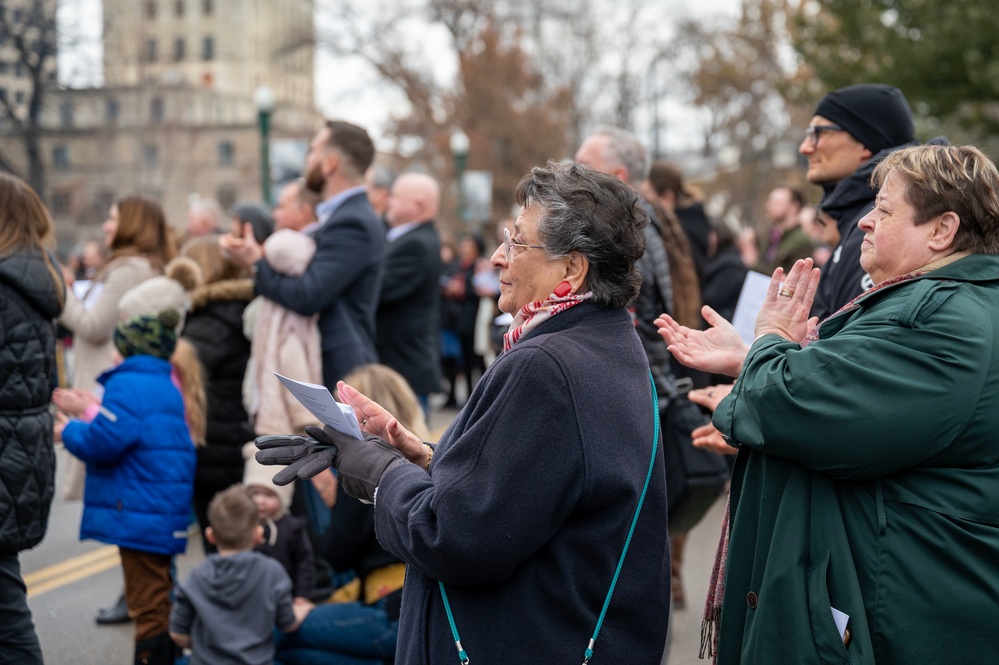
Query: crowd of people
[(550, 518)]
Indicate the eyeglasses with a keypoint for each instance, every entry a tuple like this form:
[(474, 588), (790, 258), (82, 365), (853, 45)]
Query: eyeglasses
[(814, 132), (510, 244)]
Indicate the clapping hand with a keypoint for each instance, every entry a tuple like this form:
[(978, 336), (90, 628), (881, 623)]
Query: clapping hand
[(719, 349), (374, 419), (243, 250), (73, 401), (788, 301)]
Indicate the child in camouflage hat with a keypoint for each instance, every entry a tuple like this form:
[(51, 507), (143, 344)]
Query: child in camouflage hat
[(140, 472)]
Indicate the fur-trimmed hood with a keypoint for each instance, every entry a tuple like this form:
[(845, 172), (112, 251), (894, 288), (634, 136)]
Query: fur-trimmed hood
[(226, 289)]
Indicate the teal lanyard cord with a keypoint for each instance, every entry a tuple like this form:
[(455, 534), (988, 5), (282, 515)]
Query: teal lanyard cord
[(463, 656)]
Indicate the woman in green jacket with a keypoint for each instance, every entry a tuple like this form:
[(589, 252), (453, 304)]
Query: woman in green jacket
[(864, 511)]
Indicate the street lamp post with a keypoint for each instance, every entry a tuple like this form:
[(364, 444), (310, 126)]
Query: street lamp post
[(263, 99), (459, 150)]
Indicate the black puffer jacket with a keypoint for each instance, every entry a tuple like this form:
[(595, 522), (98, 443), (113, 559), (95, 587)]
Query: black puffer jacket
[(29, 303), (215, 327)]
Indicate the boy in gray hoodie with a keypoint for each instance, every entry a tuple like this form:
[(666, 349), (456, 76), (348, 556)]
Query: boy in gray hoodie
[(227, 609)]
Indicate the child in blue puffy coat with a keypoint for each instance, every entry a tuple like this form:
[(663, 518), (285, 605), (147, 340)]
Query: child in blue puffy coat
[(140, 469)]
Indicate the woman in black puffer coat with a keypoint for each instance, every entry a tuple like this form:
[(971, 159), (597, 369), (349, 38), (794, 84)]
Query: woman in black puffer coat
[(32, 295), (215, 327)]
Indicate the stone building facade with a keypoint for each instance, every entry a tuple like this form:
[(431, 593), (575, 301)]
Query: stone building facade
[(175, 119)]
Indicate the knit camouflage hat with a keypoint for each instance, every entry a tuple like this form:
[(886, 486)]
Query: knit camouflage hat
[(148, 335)]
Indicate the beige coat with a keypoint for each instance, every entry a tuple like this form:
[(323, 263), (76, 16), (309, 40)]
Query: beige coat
[(93, 328), (286, 343)]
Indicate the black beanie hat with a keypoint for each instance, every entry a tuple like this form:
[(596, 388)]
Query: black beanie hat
[(148, 335), (876, 115)]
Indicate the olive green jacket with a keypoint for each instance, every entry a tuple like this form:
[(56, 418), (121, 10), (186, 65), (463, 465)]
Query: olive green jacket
[(868, 481)]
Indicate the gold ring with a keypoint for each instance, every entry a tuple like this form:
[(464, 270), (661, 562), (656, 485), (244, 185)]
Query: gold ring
[(785, 292)]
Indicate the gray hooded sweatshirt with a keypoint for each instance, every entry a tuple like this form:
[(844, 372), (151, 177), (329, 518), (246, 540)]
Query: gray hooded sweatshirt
[(229, 606)]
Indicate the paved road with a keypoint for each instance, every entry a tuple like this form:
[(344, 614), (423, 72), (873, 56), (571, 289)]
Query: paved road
[(68, 580)]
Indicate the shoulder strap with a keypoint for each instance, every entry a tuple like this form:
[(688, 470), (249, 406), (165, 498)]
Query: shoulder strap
[(588, 654)]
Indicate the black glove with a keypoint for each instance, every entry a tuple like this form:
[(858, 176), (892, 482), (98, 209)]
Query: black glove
[(304, 456), (361, 463)]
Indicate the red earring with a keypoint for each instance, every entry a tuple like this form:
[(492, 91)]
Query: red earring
[(563, 289)]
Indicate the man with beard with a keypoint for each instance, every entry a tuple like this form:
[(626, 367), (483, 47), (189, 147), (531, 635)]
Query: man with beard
[(342, 282)]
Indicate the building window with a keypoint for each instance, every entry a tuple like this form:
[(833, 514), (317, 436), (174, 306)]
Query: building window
[(226, 196), (150, 50), (103, 201), (226, 153), (208, 49), (150, 9), (156, 111), (150, 155), (178, 49), (178, 8), (61, 202), (19, 97), (111, 110), (4, 67), (60, 157), (66, 114), (3, 95), (208, 7), (19, 69)]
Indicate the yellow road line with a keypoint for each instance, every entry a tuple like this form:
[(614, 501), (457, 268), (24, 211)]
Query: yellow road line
[(72, 570)]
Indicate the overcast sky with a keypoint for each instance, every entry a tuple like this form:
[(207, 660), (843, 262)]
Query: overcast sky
[(346, 89)]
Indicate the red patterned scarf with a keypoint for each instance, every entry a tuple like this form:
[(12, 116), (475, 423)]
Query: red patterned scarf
[(535, 313)]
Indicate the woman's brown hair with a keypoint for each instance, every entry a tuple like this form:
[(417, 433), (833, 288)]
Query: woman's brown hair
[(25, 223), (204, 250), (143, 229)]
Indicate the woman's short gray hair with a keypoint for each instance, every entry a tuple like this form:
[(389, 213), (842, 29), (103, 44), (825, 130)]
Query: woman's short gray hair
[(594, 214)]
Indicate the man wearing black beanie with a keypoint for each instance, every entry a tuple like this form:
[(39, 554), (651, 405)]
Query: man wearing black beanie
[(851, 132)]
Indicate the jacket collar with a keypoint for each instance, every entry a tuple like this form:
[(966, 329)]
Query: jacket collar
[(587, 311), (974, 268), (141, 363)]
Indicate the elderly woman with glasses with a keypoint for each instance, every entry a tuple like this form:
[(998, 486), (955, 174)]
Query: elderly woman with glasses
[(864, 507), (515, 526)]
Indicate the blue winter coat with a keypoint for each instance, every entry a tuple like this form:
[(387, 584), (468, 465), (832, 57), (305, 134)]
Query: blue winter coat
[(140, 460)]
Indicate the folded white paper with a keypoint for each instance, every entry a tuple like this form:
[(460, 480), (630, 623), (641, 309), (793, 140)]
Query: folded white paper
[(841, 620), (320, 403)]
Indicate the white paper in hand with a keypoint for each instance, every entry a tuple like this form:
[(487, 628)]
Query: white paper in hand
[(754, 292), (320, 403)]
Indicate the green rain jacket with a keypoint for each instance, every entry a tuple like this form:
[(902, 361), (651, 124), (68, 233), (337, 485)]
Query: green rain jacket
[(868, 481)]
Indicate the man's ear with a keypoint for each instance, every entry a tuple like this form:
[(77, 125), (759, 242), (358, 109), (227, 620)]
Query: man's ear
[(944, 231), (258, 534), (210, 535)]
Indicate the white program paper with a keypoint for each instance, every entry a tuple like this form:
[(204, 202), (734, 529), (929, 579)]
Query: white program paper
[(841, 620), (318, 400), (754, 291)]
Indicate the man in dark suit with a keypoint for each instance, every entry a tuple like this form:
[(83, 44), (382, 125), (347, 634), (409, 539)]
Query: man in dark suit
[(408, 321), (343, 281)]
